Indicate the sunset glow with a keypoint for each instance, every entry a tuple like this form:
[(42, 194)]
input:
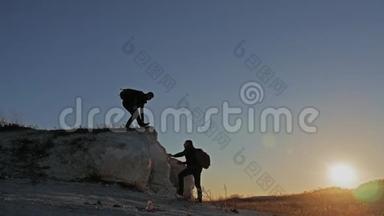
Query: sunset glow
[(342, 175)]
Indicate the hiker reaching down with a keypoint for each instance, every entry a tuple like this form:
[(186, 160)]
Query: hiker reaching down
[(133, 102)]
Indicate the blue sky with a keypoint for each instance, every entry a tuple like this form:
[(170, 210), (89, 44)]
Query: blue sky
[(330, 54)]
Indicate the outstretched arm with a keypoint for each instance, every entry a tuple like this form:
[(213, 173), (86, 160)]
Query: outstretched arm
[(180, 154)]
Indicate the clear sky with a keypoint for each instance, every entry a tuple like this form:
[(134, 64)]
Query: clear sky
[(329, 53)]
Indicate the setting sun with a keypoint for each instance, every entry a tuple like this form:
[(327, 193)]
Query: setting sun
[(342, 175)]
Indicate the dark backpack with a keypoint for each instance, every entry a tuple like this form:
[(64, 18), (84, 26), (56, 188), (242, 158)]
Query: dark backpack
[(127, 94), (202, 158)]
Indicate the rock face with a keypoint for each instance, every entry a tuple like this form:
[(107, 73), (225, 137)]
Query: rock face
[(132, 158)]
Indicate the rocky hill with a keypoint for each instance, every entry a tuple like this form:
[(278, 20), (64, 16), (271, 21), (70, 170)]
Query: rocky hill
[(132, 158)]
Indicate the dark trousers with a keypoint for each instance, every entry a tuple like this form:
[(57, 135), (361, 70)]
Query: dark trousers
[(134, 111), (196, 172)]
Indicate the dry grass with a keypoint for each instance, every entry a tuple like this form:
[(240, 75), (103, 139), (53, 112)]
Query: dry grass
[(367, 200), (11, 126)]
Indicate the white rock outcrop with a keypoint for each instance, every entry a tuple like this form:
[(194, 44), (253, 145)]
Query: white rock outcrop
[(133, 158)]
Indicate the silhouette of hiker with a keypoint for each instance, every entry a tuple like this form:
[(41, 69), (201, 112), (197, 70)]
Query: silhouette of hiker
[(193, 168), (133, 101)]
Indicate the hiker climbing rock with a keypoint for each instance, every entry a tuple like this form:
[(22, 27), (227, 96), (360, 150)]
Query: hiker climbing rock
[(133, 102), (196, 160)]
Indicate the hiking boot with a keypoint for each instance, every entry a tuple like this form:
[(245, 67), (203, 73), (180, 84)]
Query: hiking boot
[(180, 193), (199, 196), (179, 196), (144, 125)]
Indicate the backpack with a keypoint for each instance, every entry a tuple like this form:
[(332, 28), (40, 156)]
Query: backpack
[(126, 94), (202, 158)]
